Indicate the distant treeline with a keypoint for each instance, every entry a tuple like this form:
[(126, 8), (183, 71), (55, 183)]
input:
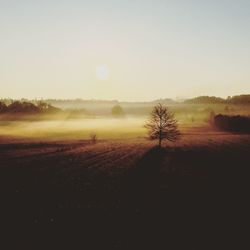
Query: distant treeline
[(25, 107), (80, 107), (66, 103), (236, 123), (238, 99)]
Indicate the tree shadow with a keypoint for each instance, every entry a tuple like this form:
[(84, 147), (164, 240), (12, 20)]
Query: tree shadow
[(149, 165), (141, 185)]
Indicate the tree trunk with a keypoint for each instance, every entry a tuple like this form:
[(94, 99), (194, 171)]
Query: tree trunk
[(160, 142), (160, 138)]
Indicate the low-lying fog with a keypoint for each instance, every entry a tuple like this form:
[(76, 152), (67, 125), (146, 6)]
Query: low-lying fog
[(78, 128)]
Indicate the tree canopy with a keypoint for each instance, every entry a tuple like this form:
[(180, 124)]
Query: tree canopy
[(162, 125), (117, 111)]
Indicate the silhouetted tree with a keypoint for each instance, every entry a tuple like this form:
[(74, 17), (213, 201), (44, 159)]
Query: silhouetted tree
[(162, 125)]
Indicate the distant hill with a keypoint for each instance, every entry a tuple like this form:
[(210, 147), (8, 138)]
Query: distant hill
[(165, 101), (238, 99), (205, 100)]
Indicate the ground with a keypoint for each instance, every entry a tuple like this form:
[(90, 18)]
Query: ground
[(118, 192)]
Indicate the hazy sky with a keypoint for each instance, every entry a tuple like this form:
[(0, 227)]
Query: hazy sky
[(124, 49)]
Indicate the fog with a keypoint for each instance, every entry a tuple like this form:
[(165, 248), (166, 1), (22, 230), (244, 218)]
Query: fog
[(105, 128), (63, 126)]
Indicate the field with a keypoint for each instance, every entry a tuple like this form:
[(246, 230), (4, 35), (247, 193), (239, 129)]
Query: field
[(121, 191)]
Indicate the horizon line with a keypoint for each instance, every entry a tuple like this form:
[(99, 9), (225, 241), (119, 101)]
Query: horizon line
[(176, 99)]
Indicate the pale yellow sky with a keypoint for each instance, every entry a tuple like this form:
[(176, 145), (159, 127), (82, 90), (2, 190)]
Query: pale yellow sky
[(125, 50)]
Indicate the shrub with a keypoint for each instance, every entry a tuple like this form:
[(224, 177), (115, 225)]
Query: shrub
[(117, 111), (93, 138), (236, 123)]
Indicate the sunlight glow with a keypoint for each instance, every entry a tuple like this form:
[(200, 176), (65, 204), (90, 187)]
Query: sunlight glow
[(102, 72)]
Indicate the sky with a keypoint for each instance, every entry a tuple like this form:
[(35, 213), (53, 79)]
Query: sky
[(128, 50)]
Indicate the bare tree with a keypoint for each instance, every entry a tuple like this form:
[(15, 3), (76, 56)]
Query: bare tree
[(162, 125)]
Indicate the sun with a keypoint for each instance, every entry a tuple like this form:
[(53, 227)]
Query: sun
[(102, 72)]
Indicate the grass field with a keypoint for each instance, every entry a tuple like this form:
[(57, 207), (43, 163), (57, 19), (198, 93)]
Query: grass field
[(63, 184)]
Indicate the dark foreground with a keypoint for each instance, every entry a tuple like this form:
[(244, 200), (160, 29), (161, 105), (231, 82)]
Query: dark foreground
[(121, 196)]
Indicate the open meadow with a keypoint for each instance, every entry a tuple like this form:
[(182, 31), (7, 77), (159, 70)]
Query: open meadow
[(54, 178)]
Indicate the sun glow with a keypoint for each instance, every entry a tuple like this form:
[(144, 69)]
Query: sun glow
[(102, 72)]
